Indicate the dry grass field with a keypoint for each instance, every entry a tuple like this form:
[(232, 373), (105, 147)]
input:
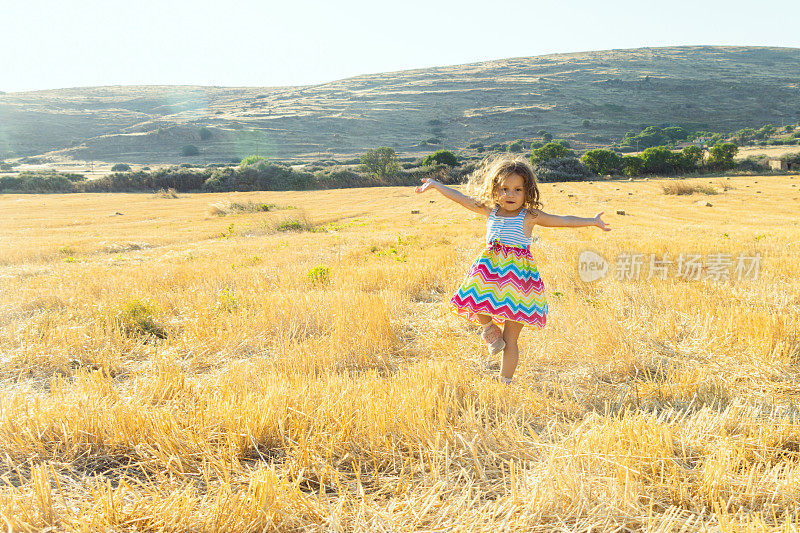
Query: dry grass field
[(165, 366)]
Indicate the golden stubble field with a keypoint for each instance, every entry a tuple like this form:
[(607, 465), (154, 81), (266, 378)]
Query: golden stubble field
[(171, 369)]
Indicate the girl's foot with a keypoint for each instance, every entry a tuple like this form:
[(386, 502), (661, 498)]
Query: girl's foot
[(503, 380), (493, 338)]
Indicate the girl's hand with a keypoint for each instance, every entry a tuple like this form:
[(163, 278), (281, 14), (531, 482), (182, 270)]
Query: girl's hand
[(600, 224), (427, 183)]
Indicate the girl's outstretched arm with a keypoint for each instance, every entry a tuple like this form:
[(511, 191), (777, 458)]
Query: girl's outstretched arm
[(452, 194), (556, 221)]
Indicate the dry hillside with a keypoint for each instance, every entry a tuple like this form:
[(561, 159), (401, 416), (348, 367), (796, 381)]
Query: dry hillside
[(716, 88)]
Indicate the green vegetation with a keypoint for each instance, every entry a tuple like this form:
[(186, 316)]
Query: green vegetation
[(121, 167), (517, 146), (721, 156), (442, 157), (205, 133), (190, 150), (319, 275), (561, 169), (632, 165), (252, 160), (135, 318), (382, 162), (602, 161), (553, 150), (653, 136)]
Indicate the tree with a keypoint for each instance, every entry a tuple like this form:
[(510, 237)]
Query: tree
[(381, 161), (632, 165), (550, 151), (547, 137), (657, 160), (602, 162), (693, 155), (721, 156), (444, 157), (675, 133)]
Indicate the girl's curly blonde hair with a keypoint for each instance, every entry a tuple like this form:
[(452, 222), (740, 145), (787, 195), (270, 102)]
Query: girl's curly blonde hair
[(483, 184)]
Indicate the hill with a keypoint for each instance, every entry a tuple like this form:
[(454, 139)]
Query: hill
[(589, 98)]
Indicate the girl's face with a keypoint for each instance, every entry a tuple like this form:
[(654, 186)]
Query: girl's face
[(511, 192)]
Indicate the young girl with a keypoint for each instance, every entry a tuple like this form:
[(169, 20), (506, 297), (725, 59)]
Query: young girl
[(503, 285)]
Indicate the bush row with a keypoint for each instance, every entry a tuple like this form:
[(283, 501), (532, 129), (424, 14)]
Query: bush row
[(260, 177)]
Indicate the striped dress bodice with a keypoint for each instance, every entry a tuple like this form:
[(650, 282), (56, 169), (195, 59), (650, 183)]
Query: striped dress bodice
[(507, 230)]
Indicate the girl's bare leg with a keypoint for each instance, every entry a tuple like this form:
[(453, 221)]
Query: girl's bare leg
[(511, 332), (484, 319)]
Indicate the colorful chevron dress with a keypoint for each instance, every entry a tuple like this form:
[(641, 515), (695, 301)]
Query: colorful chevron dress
[(504, 281)]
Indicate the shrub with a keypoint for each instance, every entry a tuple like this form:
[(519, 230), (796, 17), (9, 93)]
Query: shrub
[(433, 140), (516, 146), (205, 133), (561, 169), (252, 160), (602, 162), (189, 150), (290, 225), (121, 167), (165, 178), (135, 318), (40, 182), (752, 164), (551, 151), (792, 159), (444, 157), (319, 275)]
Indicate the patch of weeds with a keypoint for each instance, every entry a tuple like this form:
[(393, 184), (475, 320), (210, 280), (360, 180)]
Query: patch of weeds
[(226, 208), (291, 225), (686, 188), (408, 240), (229, 231), (228, 301), (336, 226), (391, 252), (252, 261), (71, 259), (166, 193), (319, 275), (135, 317), (66, 250)]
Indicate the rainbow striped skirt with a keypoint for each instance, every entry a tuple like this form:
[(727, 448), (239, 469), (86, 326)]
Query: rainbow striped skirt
[(505, 283)]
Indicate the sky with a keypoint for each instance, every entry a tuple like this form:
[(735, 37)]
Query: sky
[(49, 44)]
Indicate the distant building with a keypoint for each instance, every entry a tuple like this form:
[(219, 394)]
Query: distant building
[(780, 164)]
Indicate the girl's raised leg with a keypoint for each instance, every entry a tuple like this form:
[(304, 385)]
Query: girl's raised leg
[(511, 332), (492, 335)]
